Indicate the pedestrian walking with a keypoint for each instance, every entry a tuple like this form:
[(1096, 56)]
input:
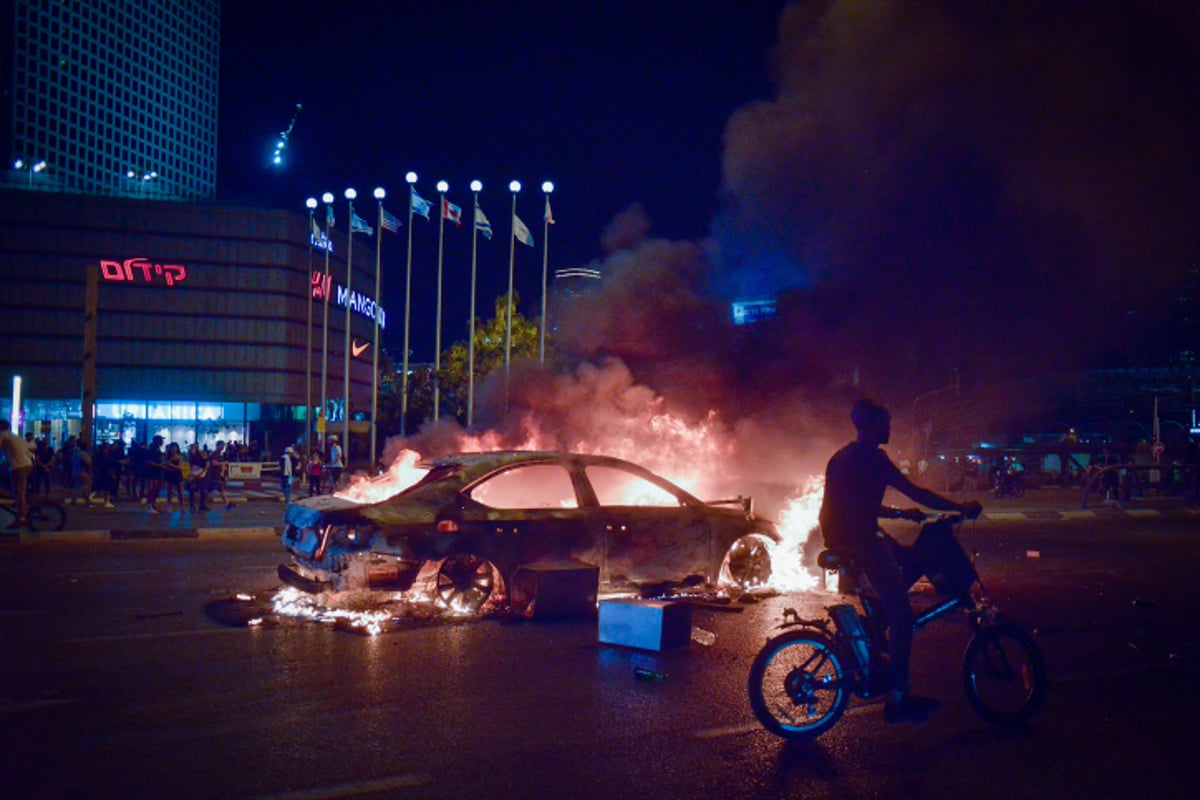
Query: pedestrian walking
[(315, 473), (153, 474), (336, 463), (172, 471), (286, 473), (43, 464), (81, 472), (197, 479)]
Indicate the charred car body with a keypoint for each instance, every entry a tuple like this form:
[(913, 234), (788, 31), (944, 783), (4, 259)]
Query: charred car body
[(475, 518)]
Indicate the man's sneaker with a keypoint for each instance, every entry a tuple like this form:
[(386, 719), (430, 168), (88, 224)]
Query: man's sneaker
[(110, 505), (910, 709)]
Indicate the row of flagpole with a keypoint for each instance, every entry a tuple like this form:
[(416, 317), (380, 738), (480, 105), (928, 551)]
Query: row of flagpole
[(388, 222)]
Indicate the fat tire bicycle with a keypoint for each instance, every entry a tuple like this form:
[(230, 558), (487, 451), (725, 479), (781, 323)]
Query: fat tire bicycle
[(802, 680), (43, 514)]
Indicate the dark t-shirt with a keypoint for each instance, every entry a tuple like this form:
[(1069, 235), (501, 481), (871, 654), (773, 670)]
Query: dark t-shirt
[(855, 480)]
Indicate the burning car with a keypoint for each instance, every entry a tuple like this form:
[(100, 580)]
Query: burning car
[(475, 518)]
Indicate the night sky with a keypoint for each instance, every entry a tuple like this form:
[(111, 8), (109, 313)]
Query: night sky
[(992, 189), (617, 103)]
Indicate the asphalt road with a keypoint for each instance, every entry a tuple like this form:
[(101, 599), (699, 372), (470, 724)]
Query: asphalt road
[(127, 670)]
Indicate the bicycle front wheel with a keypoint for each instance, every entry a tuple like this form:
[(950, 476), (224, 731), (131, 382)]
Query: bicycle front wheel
[(1004, 674), (797, 685), (46, 515)]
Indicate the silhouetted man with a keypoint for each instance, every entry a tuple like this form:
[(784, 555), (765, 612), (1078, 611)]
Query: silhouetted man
[(855, 481)]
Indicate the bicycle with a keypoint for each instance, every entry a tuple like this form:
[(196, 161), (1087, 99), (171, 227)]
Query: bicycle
[(42, 514), (802, 680)]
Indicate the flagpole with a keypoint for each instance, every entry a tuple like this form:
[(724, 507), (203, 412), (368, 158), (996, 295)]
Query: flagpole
[(327, 199), (350, 195), (412, 179), (442, 187), (476, 187), (379, 195), (311, 204), (547, 188), (514, 187)]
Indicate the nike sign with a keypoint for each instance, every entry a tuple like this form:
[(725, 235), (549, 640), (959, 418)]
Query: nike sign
[(357, 349)]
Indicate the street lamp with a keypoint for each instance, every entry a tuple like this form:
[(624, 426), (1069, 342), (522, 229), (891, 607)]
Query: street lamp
[(476, 188), (547, 188), (514, 187), (411, 178), (24, 166), (379, 195), (350, 195), (322, 421), (442, 188), (311, 205)]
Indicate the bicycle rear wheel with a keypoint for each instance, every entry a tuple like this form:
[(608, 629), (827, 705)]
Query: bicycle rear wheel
[(1004, 674), (46, 515), (797, 685)]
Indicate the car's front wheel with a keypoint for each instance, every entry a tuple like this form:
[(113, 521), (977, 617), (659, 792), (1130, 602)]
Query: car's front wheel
[(747, 563), (465, 583)]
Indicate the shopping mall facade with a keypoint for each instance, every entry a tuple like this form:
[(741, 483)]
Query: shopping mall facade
[(201, 323)]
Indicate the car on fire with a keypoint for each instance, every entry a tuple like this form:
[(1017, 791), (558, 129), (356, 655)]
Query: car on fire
[(474, 519)]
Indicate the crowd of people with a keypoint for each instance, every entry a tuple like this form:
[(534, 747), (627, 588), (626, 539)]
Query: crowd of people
[(157, 475)]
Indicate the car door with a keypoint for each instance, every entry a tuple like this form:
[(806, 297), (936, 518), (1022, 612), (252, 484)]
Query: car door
[(650, 532), (527, 513)]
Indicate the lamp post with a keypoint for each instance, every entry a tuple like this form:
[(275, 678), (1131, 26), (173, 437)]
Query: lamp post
[(311, 205), (379, 195), (547, 188), (442, 188), (476, 188), (350, 195), (322, 420), (411, 178), (514, 187), (22, 164)]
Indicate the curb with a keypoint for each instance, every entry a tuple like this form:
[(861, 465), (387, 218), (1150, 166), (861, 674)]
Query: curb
[(137, 535)]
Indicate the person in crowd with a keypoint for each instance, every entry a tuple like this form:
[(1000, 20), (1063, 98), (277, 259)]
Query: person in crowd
[(172, 472), (137, 465), (104, 477), (43, 465), (287, 472), (153, 474), (197, 479), (315, 471), (65, 461), (81, 472), (215, 474), (336, 462), (20, 463)]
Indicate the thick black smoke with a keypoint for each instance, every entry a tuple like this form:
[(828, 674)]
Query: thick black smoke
[(998, 188), (989, 191)]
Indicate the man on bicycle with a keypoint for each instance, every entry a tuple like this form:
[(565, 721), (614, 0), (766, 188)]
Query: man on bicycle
[(855, 481)]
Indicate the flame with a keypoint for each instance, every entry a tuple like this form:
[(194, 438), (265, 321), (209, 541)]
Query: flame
[(402, 474), (291, 602), (797, 522)]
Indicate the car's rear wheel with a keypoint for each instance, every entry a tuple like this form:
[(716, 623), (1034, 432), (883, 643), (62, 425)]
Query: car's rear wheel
[(465, 583), (747, 563)]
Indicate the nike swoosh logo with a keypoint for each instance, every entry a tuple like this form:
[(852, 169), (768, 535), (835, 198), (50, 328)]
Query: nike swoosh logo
[(358, 349)]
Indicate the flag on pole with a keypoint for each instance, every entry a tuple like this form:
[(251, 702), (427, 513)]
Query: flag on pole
[(390, 222), (316, 231), (521, 232), (359, 225), (419, 204), (451, 212), (329, 216), (549, 215), (482, 224)]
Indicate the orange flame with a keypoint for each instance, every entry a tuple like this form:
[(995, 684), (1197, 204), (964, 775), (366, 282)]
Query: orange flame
[(797, 522)]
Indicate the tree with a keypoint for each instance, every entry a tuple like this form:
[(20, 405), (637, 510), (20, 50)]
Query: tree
[(489, 338)]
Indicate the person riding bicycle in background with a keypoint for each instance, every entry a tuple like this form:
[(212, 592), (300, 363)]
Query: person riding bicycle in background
[(20, 464), (855, 481)]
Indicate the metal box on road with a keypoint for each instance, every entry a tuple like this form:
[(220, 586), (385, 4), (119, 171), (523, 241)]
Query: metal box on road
[(645, 624)]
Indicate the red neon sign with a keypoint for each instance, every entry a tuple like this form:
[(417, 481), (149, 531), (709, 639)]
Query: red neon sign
[(124, 270)]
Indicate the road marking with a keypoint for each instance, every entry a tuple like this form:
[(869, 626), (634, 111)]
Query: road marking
[(408, 780), (129, 637), (727, 730)]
